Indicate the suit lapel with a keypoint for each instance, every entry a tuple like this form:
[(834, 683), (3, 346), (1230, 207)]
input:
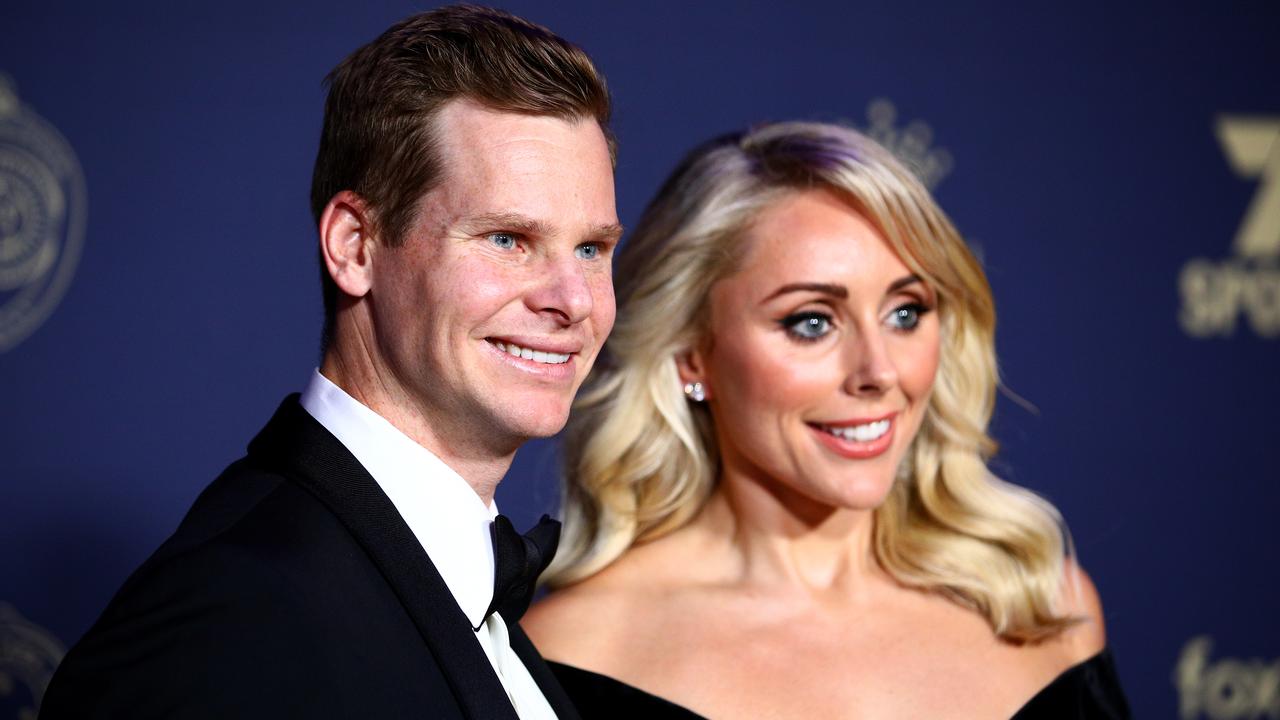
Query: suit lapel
[(542, 675), (298, 446)]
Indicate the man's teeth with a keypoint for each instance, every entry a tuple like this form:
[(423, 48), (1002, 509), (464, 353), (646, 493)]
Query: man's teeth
[(860, 433), (538, 356)]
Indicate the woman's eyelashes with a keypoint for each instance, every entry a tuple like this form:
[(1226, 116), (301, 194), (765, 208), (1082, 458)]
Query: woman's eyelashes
[(813, 325), (807, 326), (907, 317)]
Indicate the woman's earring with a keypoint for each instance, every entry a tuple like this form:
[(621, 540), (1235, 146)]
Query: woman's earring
[(695, 392)]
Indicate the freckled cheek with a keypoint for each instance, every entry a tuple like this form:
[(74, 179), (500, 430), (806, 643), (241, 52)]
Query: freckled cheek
[(603, 306), (478, 289)]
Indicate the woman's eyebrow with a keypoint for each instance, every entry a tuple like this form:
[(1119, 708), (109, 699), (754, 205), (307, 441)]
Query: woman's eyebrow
[(900, 283), (838, 291)]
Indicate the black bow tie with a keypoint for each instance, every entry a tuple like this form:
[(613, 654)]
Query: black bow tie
[(518, 560)]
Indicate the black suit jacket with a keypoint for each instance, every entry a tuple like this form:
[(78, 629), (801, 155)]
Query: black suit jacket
[(292, 588)]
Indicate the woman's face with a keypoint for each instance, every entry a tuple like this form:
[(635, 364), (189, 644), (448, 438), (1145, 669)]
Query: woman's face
[(821, 355)]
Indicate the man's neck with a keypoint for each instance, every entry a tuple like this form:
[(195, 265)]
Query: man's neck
[(482, 467)]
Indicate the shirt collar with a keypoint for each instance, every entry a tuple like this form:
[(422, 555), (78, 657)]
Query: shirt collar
[(443, 511)]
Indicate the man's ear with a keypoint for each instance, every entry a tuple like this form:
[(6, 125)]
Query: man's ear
[(346, 243)]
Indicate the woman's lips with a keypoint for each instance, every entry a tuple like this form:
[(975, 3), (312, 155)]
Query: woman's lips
[(857, 440)]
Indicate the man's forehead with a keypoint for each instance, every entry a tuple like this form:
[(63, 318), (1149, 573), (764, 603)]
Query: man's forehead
[(534, 174), (466, 130)]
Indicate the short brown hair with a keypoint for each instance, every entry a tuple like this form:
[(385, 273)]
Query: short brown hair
[(379, 137)]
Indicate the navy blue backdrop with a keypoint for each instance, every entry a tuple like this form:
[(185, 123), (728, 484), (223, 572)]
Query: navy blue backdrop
[(1115, 164)]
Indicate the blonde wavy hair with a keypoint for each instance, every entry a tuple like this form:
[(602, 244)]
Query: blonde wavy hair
[(641, 460)]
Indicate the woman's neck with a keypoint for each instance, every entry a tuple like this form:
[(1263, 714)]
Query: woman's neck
[(780, 540)]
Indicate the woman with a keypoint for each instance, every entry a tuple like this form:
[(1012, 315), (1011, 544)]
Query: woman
[(777, 501)]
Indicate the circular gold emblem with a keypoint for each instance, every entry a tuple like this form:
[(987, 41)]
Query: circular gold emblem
[(42, 217)]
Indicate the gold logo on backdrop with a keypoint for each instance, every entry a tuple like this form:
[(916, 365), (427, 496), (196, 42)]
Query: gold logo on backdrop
[(1227, 689), (28, 657), (42, 217), (1217, 292), (911, 144)]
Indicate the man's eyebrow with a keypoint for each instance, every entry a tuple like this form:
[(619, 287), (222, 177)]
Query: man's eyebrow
[(831, 289), (508, 221), (612, 231), (529, 226)]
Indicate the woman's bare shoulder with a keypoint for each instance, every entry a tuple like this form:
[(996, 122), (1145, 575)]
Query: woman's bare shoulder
[(1080, 599), (581, 624), (570, 613)]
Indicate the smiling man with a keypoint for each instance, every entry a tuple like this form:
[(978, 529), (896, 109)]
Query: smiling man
[(346, 567)]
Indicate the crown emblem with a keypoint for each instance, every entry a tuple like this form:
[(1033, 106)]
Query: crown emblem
[(910, 144)]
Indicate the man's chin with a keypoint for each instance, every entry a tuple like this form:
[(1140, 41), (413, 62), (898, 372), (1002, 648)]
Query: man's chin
[(533, 421), (545, 429)]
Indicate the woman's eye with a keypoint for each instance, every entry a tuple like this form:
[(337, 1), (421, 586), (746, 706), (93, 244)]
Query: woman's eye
[(587, 252), (907, 317), (807, 326), (503, 241)]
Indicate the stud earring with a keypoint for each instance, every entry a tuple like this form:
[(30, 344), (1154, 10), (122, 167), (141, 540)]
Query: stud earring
[(695, 392)]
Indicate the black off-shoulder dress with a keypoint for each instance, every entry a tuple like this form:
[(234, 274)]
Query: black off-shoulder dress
[(1088, 691)]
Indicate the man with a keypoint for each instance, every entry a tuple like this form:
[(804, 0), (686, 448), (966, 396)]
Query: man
[(464, 198)]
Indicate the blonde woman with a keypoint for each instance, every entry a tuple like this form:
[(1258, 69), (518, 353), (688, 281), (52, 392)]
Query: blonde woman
[(777, 502)]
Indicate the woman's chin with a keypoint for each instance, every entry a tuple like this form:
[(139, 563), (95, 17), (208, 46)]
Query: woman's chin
[(862, 494), (865, 495)]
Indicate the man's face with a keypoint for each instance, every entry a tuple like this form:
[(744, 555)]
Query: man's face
[(488, 317)]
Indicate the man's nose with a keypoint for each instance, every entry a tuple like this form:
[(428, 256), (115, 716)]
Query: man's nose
[(563, 290)]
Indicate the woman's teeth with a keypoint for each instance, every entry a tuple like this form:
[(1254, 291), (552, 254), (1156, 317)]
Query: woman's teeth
[(859, 433), (538, 356)]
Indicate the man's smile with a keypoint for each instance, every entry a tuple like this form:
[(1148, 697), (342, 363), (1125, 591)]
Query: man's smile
[(538, 356)]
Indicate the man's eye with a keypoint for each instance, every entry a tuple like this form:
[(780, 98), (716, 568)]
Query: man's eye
[(504, 241), (587, 252), (807, 326)]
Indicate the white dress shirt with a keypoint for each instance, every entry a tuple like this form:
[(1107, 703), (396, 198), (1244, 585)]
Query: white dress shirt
[(444, 513)]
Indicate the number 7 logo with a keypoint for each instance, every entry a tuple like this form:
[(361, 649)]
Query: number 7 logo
[(1252, 147)]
